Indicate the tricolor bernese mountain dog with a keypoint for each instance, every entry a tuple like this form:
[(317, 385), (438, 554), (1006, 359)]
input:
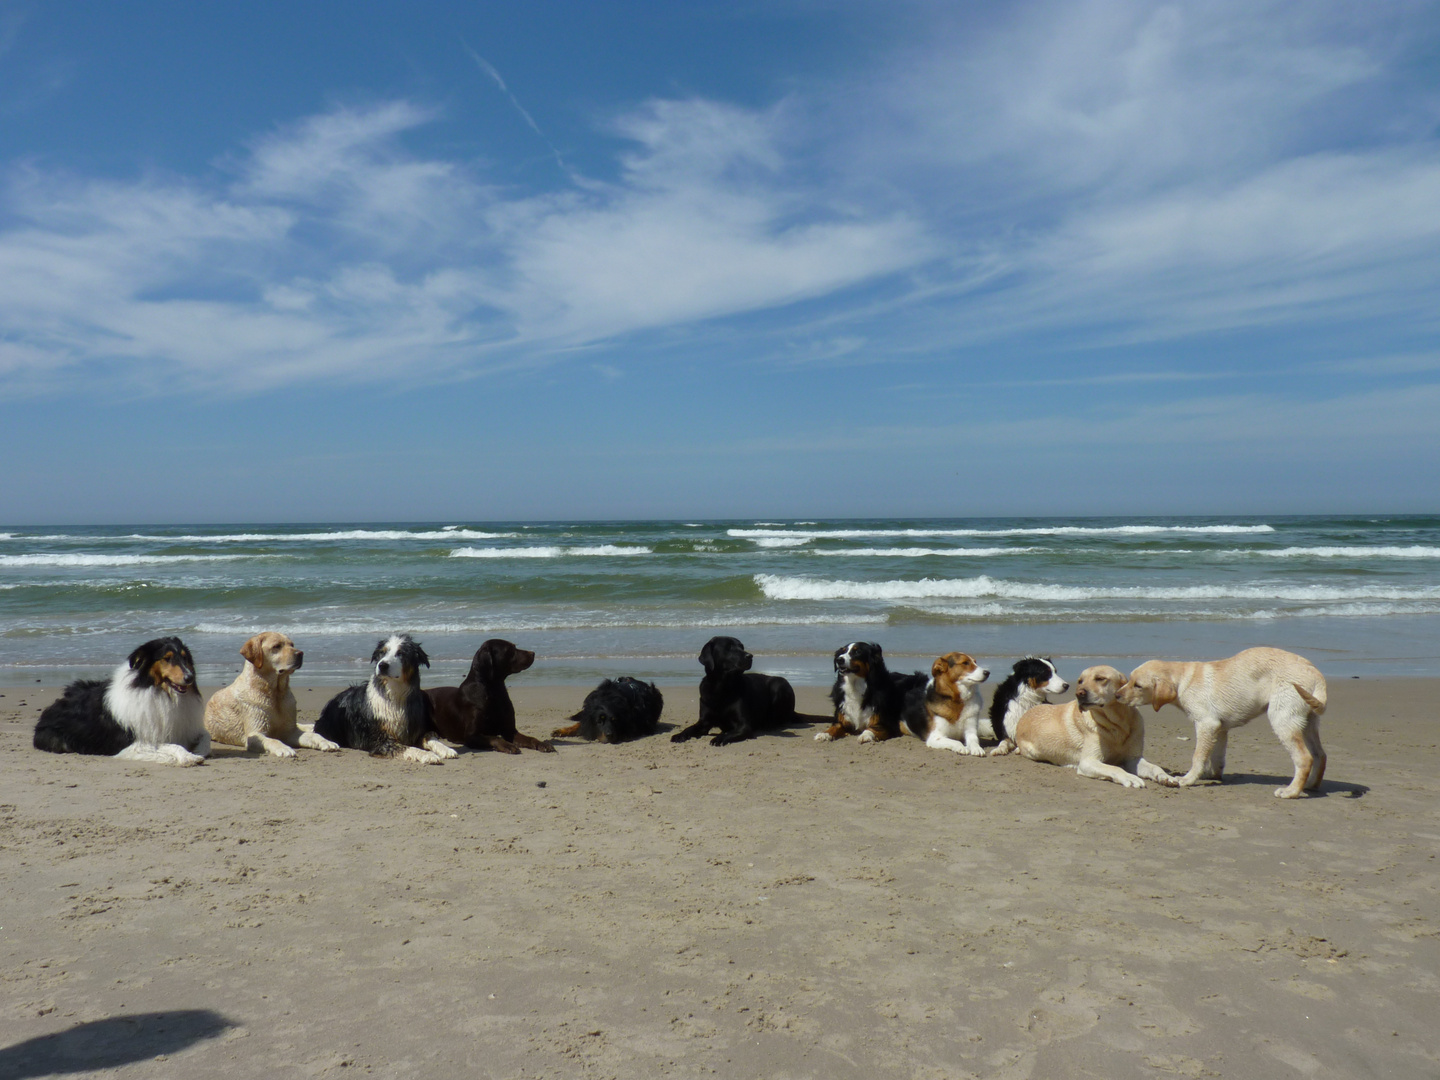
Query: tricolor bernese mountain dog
[(388, 716), (736, 700), (479, 712), (1025, 687), (868, 698), (617, 710), (148, 710)]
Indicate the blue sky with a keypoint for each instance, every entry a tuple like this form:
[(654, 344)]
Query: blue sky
[(362, 261)]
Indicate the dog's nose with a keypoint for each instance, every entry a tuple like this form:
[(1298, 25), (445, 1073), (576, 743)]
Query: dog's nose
[(1064, 686), (299, 657)]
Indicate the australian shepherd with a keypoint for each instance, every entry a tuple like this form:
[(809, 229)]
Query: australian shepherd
[(388, 716), (945, 714), (1031, 679), (148, 710)]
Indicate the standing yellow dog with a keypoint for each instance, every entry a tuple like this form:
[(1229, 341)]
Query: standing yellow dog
[(1218, 695), (257, 710)]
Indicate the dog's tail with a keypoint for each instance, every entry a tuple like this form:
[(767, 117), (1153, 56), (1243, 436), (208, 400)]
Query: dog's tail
[(1316, 701)]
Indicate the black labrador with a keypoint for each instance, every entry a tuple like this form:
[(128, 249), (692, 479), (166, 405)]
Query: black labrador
[(733, 699)]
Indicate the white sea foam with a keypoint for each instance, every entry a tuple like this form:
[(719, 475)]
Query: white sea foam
[(1052, 530), (521, 623), (776, 587), (450, 532), (1413, 552), (780, 541), (547, 552), (919, 552), (77, 559)]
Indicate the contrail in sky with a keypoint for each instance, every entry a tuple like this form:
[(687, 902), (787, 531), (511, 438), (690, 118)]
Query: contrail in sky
[(489, 69)]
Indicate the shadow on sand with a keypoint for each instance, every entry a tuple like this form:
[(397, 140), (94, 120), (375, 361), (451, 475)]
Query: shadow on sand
[(1326, 788), (110, 1043)]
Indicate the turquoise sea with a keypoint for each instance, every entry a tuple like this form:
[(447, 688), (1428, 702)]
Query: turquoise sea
[(1358, 595)]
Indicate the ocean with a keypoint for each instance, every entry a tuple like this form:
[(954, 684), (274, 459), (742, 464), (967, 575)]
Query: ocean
[(1360, 596)]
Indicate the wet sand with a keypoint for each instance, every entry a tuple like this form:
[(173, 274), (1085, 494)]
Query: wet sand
[(779, 908)]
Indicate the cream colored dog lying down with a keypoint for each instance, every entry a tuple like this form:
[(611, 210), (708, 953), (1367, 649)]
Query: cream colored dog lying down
[(257, 710), (1219, 695), (1100, 736)]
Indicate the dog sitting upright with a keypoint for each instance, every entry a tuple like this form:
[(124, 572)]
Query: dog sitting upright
[(617, 710), (867, 696), (388, 716), (479, 712), (148, 710), (736, 700), (257, 710)]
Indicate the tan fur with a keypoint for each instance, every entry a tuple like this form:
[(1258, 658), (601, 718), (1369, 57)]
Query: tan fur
[(1218, 695), (257, 710), (1099, 735)]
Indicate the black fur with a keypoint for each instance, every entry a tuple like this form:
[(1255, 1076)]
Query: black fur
[(1027, 670), (479, 712), (734, 699), (347, 718), (618, 710), (77, 722), (885, 691)]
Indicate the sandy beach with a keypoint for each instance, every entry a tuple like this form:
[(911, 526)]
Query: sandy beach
[(780, 908)]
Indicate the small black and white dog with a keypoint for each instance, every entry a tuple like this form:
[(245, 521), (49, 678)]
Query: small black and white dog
[(617, 710), (148, 710), (1025, 687), (388, 716), (868, 698), (737, 701)]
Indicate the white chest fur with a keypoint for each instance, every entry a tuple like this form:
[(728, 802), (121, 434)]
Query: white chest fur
[(855, 718), (387, 705), (154, 716)]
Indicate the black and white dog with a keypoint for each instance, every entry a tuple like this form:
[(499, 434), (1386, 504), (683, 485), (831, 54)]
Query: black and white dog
[(617, 710), (148, 710), (868, 698), (736, 700), (388, 716), (1025, 687)]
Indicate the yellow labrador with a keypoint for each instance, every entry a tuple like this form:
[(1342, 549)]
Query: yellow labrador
[(257, 710), (1218, 695), (1100, 736)]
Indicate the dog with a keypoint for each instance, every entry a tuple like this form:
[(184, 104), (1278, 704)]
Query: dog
[(1029, 681), (947, 709), (388, 716), (737, 701), (868, 699), (478, 712), (257, 710), (1218, 695), (1097, 733), (149, 709), (617, 710)]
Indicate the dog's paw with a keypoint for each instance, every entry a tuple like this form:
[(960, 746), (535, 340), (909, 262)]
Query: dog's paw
[(971, 751), (544, 747), (824, 736), (866, 736), (1006, 746), (421, 757), (184, 758), (1129, 780), (282, 751), (1288, 793), (439, 749)]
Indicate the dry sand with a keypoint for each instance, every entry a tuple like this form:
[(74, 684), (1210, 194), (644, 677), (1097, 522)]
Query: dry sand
[(780, 908)]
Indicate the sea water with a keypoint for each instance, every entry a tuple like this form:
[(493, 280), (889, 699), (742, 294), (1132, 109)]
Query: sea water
[(1357, 595)]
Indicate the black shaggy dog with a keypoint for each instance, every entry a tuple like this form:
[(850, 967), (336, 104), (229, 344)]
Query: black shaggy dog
[(868, 698), (148, 710), (617, 710), (478, 712), (1029, 681), (389, 715), (733, 699)]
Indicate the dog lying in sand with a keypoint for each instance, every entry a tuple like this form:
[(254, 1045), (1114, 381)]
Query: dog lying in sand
[(1098, 734), (257, 710)]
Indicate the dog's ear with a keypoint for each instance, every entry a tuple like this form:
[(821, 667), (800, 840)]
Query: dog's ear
[(879, 652), (252, 651), (420, 657), (1165, 692), (707, 656), (483, 663), (138, 656), (939, 667)]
